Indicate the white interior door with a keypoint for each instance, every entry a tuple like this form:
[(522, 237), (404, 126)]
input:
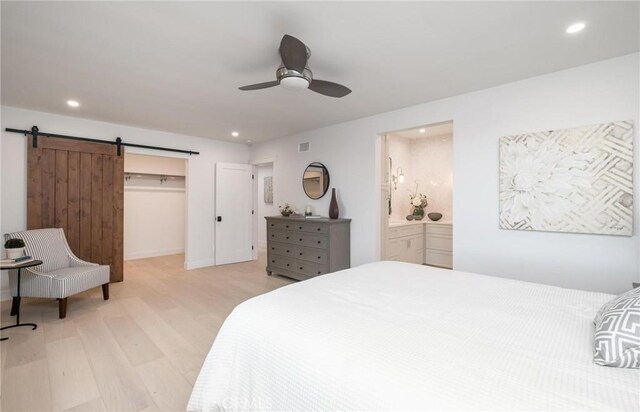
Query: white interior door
[(234, 209)]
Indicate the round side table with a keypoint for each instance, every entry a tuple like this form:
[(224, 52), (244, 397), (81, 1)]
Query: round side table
[(19, 267)]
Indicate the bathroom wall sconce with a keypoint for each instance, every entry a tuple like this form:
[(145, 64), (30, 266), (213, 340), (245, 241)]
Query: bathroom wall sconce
[(397, 178)]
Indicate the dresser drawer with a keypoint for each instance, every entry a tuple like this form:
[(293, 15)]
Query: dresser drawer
[(281, 262), (442, 243), (311, 269), (282, 225), (442, 229), (283, 249), (312, 227), (438, 258), (282, 236), (309, 240), (312, 255), (410, 230)]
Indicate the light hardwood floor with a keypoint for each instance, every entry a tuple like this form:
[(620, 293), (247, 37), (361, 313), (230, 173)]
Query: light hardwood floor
[(140, 350)]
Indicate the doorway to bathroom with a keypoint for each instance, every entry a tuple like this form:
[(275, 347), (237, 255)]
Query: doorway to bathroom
[(416, 195)]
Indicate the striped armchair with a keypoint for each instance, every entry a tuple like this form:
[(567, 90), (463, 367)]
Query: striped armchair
[(61, 274)]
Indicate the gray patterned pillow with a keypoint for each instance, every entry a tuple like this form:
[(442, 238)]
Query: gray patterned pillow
[(617, 338)]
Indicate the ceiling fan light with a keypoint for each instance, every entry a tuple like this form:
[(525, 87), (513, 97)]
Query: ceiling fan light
[(294, 82)]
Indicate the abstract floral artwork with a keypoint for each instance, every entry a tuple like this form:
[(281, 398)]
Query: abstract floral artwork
[(268, 189), (571, 180)]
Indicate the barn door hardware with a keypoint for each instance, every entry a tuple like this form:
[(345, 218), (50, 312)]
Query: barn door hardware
[(35, 133)]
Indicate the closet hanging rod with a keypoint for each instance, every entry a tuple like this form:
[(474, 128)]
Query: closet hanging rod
[(35, 132)]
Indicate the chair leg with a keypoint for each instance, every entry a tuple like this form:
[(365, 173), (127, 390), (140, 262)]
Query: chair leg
[(62, 308), (15, 304), (105, 291)]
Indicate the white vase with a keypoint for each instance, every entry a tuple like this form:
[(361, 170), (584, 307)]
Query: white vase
[(15, 252)]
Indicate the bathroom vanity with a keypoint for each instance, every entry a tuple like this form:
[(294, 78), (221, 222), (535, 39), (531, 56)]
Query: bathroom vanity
[(421, 242)]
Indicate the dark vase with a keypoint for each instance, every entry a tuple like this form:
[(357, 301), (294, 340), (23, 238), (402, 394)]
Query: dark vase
[(333, 207)]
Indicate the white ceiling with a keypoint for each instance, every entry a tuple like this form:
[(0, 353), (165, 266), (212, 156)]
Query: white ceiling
[(176, 66)]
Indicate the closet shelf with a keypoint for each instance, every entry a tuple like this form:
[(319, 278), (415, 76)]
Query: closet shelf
[(154, 189), (151, 176)]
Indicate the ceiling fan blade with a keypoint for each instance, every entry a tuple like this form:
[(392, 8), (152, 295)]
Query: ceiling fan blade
[(329, 88), (260, 85), (293, 53)]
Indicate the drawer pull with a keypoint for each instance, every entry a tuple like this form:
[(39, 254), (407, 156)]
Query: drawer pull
[(319, 257), (288, 264), (273, 235), (273, 261), (287, 226), (287, 251), (287, 237), (300, 239), (318, 229), (319, 273), (300, 253), (301, 267), (299, 227), (319, 241), (272, 225), (273, 248)]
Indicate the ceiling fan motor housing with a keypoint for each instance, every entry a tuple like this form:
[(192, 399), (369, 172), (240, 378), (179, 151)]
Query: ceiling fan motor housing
[(293, 79)]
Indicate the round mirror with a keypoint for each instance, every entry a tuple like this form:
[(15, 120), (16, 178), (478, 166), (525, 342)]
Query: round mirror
[(315, 180)]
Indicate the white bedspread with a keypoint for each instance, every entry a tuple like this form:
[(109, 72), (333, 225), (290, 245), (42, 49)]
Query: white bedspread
[(398, 336)]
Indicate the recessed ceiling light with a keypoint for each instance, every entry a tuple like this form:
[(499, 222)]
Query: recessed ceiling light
[(235, 134), (576, 27), (422, 130), (73, 103)]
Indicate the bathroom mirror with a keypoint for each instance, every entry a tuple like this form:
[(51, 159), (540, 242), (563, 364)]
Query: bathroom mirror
[(315, 180)]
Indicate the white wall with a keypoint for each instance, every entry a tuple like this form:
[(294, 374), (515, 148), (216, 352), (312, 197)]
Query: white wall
[(348, 155), (159, 165), (432, 167), (154, 211), (400, 153), (200, 171), (154, 222), (264, 209), (429, 162), (595, 93)]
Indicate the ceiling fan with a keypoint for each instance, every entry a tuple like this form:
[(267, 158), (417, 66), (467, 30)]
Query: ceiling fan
[(293, 72)]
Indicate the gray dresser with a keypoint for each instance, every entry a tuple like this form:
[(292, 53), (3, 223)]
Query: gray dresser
[(302, 248)]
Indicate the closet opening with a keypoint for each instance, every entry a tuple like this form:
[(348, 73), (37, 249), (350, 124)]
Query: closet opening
[(154, 206)]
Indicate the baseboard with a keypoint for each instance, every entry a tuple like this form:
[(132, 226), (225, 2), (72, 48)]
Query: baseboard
[(142, 255), (197, 264)]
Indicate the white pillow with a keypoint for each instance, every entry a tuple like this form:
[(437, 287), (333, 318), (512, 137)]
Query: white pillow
[(617, 337)]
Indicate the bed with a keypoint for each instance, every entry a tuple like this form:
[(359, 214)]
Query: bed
[(399, 336)]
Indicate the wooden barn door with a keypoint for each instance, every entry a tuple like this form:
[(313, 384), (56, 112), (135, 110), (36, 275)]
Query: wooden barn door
[(79, 186)]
